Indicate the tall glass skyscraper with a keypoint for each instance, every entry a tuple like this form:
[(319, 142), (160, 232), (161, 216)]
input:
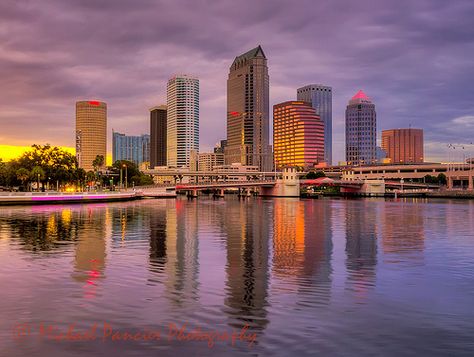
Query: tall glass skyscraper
[(182, 120), (248, 111), (131, 148), (361, 130), (320, 98)]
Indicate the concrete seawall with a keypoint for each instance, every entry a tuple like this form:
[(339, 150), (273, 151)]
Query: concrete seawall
[(37, 198)]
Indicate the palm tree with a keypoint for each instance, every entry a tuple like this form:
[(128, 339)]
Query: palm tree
[(23, 175), (37, 173)]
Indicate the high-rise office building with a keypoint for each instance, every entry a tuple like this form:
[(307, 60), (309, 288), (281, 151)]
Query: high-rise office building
[(158, 136), (403, 146), (91, 132), (361, 130), (131, 148), (248, 111), (298, 135), (320, 98), (182, 120)]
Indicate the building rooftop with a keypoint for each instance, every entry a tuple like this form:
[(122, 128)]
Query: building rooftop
[(253, 53), (360, 97)]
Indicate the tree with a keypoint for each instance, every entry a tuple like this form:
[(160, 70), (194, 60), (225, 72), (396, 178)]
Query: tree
[(38, 174), (3, 173), (23, 175), (442, 179), (314, 175), (98, 162), (57, 164), (430, 179)]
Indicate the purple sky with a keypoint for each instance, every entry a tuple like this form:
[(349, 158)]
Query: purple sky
[(415, 59)]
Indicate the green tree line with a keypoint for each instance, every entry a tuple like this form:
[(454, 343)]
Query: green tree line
[(46, 165)]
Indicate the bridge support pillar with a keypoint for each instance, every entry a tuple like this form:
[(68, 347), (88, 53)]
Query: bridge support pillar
[(192, 194), (470, 186), (219, 192), (450, 182)]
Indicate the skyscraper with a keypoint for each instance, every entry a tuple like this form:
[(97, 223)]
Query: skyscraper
[(248, 111), (91, 132), (320, 98), (158, 136), (131, 148), (361, 130), (182, 120), (403, 146), (298, 135)]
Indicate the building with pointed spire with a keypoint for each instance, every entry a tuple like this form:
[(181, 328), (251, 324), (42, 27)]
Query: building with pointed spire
[(361, 130), (248, 111)]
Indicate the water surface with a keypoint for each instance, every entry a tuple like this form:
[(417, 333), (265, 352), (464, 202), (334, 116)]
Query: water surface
[(271, 277)]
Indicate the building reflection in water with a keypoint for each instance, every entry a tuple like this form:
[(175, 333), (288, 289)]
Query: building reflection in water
[(361, 245), (246, 225), (174, 250), (302, 247), (90, 249), (407, 239)]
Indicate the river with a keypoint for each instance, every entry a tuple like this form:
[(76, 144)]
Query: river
[(251, 277)]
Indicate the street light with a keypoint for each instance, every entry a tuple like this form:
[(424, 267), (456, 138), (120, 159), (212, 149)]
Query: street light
[(126, 174)]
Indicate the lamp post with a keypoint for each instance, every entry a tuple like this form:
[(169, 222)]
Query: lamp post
[(126, 175), (38, 183)]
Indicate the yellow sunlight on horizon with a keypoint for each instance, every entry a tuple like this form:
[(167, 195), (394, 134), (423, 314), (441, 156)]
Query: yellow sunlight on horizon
[(10, 152)]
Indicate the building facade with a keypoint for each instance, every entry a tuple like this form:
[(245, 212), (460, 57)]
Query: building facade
[(320, 97), (91, 132), (158, 136), (248, 111), (298, 135), (403, 146), (220, 147), (182, 120), (208, 160), (361, 130), (131, 148)]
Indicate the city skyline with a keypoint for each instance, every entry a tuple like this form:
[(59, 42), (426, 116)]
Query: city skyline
[(414, 62)]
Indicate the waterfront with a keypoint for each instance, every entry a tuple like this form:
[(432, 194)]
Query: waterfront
[(308, 277)]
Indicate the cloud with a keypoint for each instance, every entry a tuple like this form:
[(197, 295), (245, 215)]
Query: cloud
[(413, 58)]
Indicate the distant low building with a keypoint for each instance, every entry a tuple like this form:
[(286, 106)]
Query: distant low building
[(208, 160), (227, 170)]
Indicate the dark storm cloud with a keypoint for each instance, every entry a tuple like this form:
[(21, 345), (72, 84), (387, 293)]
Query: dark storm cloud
[(414, 58)]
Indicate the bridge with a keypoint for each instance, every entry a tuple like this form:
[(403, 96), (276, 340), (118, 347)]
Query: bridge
[(286, 183)]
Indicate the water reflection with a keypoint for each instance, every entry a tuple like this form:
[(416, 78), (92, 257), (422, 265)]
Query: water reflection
[(246, 227), (361, 245), (290, 269), (302, 247), (403, 239), (43, 229), (90, 248)]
